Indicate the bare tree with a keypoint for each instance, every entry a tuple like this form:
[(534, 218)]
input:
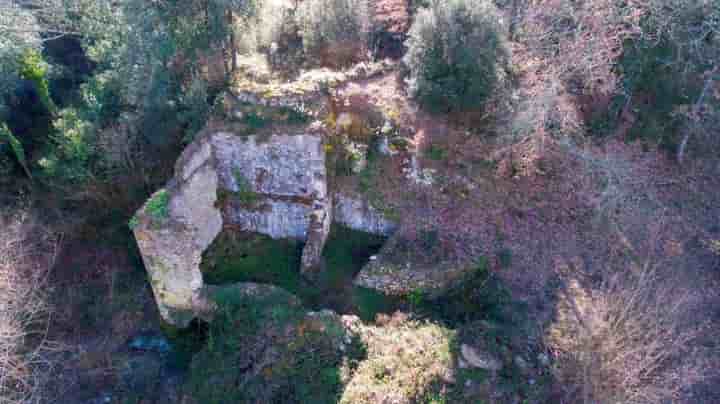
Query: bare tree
[(27, 251), (625, 339)]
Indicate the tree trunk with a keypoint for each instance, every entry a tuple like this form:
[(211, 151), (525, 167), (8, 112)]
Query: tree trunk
[(693, 115), (233, 42)]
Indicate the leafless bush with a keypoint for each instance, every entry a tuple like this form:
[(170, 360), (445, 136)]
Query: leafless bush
[(583, 39), (625, 340), (27, 251)]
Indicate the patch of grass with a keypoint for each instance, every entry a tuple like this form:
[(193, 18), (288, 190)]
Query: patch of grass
[(345, 253), (245, 193), (368, 176), (415, 298), (259, 117), (257, 258), (133, 222)]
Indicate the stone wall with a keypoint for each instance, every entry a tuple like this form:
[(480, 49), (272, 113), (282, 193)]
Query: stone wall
[(282, 175), (272, 184)]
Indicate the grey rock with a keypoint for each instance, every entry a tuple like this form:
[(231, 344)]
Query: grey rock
[(399, 276), (481, 360)]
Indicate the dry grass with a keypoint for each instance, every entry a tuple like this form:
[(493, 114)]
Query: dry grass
[(403, 357), (27, 251), (625, 340)]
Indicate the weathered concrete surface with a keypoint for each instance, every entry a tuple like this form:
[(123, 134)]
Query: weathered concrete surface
[(358, 214)]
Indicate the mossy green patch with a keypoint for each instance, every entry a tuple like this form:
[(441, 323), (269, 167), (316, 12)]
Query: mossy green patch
[(436, 152), (157, 206), (258, 117), (345, 253), (248, 257), (245, 193)]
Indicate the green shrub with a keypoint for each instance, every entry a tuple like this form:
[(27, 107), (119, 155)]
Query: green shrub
[(334, 32), (435, 152), (454, 48), (6, 137), (266, 349), (71, 152), (34, 68)]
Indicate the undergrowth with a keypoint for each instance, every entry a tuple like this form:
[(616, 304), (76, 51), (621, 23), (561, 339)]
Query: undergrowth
[(258, 258), (266, 349)]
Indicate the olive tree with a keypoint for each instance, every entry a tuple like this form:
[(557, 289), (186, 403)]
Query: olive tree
[(454, 48)]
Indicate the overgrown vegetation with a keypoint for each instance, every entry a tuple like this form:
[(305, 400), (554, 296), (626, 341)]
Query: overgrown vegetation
[(253, 258), (157, 206), (399, 366), (455, 49), (268, 349)]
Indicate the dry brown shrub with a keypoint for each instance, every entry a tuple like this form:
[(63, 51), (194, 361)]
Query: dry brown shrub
[(626, 340), (27, 251)]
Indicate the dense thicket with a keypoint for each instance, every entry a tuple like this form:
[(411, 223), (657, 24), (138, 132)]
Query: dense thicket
[(150, 88)]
